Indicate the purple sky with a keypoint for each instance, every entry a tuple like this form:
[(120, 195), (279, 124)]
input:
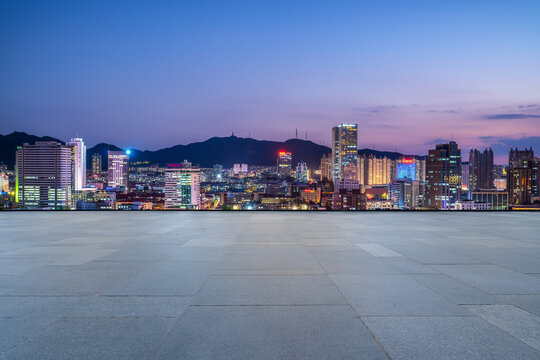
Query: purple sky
[(167, 72)]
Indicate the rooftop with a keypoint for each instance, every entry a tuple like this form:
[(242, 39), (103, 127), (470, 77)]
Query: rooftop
[(269, 285)]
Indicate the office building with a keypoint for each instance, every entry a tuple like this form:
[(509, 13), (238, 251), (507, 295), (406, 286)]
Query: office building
[(443, 176), (520, 176), (327, 171), (79, 163), (497, 200), (182, 187), (302, 172), (480, 169), (284, 162), (406, 193), (465, 175), (97, 164), (374, 171), (118, 169), (44, 175), (4, 183), (347, 195), (345, 151)]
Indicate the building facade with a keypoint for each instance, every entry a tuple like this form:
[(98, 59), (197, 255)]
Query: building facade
[(443, 176), (97, 164), (520, 176), (182, 187), (118, 169), (344, 151), (44, 175), (79, 163), (480, 169)]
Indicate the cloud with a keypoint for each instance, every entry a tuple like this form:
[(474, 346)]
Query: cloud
[(436, 141), (511, 116), (503, 144), (443, 111)]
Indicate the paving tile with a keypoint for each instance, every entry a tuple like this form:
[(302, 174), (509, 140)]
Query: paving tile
[(392, 295), (165, 278), (455, 290), (270, 332), (95, 338), (378, 250), (446, 338), (492, 279), (530, 303), (515, 321), (269, 290)]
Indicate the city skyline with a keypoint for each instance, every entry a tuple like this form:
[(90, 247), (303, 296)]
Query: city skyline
[(152, 76)]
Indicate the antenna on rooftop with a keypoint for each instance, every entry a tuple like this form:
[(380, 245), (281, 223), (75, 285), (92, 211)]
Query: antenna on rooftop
[(297, 133)]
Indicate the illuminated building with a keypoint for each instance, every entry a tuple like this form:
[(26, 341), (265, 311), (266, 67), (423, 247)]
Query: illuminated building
[(182, 187), (284, 162), (118, 169), (4, 183), (443, 176), (79, 163), (347, 195), (465, 175), (301, 172), (406, 193), (44, 175), (344, 151), (374, 171), (97, 161), (311, 195), (327, 167), (406, 168), (499, 183), (244, 168), (471, 205), (520, 176), (480, 169), (497, 200)]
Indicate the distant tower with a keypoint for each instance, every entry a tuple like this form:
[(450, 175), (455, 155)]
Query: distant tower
[(97, 161), (79, 163), (344, 149), (118, 169)]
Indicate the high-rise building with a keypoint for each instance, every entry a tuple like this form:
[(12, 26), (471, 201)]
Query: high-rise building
[(520, 176), (480, 169), (301, 172), (347, 195), (406, 193), (284, 162), (443, 176), (118, 169), (237, 169), (244, 168), (79, 163), (97, 161), (182, 187), (465, 175), (345, 151), (327, 171), (406, 168), (44, 175), (4, 182), (374, 171)]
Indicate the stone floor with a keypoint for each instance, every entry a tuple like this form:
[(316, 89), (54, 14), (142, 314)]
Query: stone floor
[(248, 285)]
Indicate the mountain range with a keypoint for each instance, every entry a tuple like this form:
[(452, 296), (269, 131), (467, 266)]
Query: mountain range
[(216, 150)]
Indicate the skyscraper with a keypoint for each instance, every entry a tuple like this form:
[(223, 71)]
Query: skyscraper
[(284, 162), (44, 175), (79, 163), (182, 187), (443, 176), (520, 176), (345, 151), (301, 172), (97, 161), (374, 171), (480, 169), (118, 169)]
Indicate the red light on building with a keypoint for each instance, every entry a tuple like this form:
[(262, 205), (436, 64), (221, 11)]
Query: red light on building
[(407, 161), (174, 165)]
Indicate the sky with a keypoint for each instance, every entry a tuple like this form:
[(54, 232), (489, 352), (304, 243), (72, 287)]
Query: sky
[(153, 74)]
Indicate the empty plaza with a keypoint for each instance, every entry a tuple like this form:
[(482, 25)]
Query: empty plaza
[(269, 285)]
